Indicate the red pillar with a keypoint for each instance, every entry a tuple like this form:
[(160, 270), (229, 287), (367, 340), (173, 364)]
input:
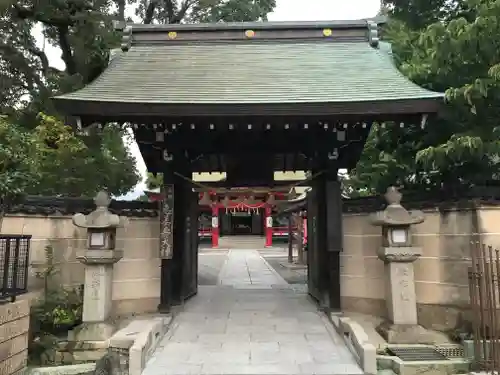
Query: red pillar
[(215, 226), (269, 226)]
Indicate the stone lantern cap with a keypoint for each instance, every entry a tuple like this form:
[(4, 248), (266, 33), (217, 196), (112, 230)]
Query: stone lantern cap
[(396, 215), (101, 217)]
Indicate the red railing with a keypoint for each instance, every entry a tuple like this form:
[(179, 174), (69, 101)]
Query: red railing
[(282, 231)]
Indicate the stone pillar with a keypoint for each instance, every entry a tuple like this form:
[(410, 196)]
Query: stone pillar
[(98, 259), (398, 256), (400, 283), (269, 226), (215, 225)]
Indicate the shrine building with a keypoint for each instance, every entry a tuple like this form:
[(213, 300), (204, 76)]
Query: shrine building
[(249, 100), (242, 211)]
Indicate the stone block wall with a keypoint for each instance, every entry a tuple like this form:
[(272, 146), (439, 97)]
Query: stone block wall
[(136, 285), (14, 327), (441, 272)]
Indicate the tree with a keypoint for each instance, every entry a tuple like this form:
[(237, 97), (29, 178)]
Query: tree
[(18, 164), (69, 167), (418, 14), (82, 30), (154, 181), (454, 54)]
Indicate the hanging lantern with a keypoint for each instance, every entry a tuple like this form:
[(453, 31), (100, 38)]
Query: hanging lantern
[(271, 200), (205, 200)]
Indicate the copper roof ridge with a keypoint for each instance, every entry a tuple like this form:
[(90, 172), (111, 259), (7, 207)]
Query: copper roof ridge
[(261, 25)]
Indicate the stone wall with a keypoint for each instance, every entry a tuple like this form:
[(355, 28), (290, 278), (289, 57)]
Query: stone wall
[(136, 277), (441, 279), (14, 326), (441, 272)]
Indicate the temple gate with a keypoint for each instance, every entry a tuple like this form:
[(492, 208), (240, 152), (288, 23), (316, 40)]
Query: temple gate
[(250, 99)]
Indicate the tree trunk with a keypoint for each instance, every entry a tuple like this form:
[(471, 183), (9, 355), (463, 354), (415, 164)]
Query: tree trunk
[(121, 9)]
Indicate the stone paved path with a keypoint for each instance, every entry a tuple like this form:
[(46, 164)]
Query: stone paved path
[(251, 323)]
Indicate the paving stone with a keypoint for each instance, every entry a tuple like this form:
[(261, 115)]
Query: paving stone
[(177, 369), (329, 369), (250, 323)]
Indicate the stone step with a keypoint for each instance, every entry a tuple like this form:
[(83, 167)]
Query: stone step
[(242, 242)]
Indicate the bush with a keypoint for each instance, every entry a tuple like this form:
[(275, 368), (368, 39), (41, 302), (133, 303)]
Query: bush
[(53, 315)]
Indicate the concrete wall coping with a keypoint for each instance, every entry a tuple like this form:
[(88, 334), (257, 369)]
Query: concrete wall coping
[(357, 340), (80, 369), (141, 337)]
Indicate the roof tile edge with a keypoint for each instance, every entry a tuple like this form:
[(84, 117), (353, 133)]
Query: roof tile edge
[(126, 38), (128, 30), (373, 38), (272, 25)]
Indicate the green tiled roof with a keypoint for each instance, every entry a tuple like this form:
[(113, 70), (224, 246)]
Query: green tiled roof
[(271, 71)]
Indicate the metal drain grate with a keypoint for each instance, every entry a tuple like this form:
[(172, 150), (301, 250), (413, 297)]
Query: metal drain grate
[(451, 351), (417, 353)]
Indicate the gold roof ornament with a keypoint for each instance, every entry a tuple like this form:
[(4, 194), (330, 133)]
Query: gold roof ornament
[(249, 33), (172, 35), (327, 32)]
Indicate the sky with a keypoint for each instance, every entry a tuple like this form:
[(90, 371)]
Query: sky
[(286, 10)]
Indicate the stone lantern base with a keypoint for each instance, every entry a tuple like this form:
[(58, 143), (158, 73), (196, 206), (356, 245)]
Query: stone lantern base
[(405, 333), (98, 331)]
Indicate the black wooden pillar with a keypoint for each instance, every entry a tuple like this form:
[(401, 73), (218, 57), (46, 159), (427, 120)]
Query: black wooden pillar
[(166, 239), (334, 232), (173, 240), (182, 216), (327, 211)]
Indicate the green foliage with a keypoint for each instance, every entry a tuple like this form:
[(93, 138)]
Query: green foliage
[(18, 164), (231, 10), (418, 14), (83, 31), (154, 182), (52, 160), (443, 47), (54, 314), (81, 165)]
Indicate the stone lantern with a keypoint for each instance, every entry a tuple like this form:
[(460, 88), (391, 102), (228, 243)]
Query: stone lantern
[(99, 257), (398, 254)]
